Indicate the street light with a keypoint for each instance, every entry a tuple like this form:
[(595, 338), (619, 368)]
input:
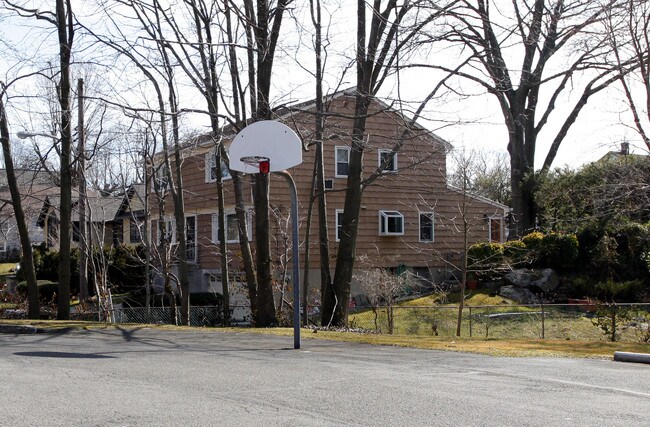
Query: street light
[(23, 134)]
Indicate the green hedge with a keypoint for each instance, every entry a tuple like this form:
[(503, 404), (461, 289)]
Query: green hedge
[(125, 266), (619, 252), (516, 254), (46, 290), (557, 251), (485, 255)]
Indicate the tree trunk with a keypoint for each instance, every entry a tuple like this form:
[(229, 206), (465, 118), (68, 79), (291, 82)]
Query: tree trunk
[(244, 244), (266, 315), (522, 179), (335, 307), (223, 245), (181, 249), (266, 37), (23, 230), (323, 233), (463, 272), (84, 243), (239, 104), (65, 33), (335, 303)]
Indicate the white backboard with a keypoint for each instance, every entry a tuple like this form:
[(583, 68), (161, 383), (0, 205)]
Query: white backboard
[(271, 139)]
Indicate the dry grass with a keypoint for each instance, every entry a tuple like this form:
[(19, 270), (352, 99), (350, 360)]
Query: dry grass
[(493, 347)]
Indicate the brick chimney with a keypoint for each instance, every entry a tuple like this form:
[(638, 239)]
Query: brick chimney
[(625, 148)]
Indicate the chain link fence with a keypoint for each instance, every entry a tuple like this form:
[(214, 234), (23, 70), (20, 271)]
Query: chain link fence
[(199, 315), (589, 322), (595, 322)]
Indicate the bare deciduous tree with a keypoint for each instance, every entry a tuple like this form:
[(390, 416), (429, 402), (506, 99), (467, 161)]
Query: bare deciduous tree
[(21, 222), (514, 51), (62, 20), (379, 47), (383, 288), (629, 36), (487, 175)]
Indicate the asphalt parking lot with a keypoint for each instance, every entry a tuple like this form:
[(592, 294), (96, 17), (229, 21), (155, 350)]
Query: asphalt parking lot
[(153, 377)]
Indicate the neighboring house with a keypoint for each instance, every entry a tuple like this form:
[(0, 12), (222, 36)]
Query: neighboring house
[(621, 155), (410, 218), (114, 218), (35, 187)]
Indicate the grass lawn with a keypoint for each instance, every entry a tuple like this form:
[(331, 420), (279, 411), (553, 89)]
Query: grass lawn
[(428, 316), (8, 305), (494, 347), (7, 267)]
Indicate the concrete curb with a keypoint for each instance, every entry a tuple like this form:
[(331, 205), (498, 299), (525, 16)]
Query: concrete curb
[(624, 356), (30, 329), (20, 329)]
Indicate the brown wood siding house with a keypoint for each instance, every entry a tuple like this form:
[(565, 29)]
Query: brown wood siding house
[(410, 218)]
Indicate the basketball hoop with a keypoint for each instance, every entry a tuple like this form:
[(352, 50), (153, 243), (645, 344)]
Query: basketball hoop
[(251, 151), (263, 163)]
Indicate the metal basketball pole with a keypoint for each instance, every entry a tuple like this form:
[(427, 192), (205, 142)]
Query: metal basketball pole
[(296, 263)]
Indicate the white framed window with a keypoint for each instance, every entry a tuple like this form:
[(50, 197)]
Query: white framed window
[(391, 223), (385, 156), (342, 155), (426, 227), (494, 229), (211, 168), (339, 221), (190, 238), (232, 227)]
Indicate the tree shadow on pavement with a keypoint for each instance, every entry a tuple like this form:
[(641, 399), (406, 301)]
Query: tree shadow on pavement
[(63, 355)]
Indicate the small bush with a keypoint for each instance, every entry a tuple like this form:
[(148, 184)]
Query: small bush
[(484, 256), (553, 250), (581, 287), (126, 269), (633, 241), (533, 240), (46, 266), (559, 251), (609, 317), (612, 291), (46, 290), (616, 251), (515, 253)]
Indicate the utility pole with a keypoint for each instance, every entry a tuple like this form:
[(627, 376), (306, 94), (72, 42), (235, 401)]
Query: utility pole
[(84, 244), (146, 238)]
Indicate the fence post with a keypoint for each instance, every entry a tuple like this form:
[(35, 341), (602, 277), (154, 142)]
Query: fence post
[(543, 315), (614, 313), (470, 321)]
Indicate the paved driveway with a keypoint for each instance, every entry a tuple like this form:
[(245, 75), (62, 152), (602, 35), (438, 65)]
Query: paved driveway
[(147, 377)]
